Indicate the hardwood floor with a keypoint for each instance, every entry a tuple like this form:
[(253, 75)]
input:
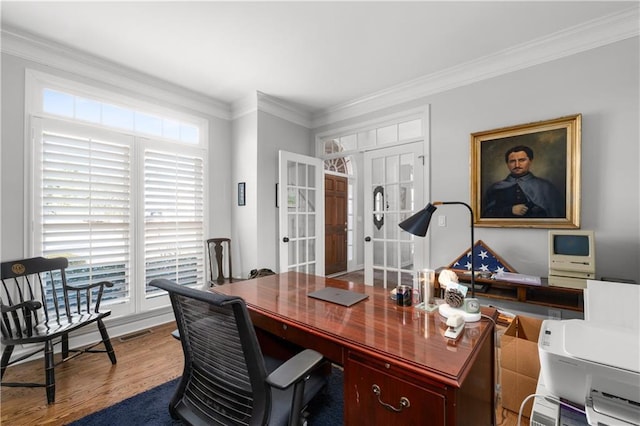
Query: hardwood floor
[(90, 383)]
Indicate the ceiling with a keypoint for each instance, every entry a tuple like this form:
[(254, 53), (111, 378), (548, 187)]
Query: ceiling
[(315, 55)]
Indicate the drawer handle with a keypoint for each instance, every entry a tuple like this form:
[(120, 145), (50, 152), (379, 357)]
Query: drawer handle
[(404, 401)]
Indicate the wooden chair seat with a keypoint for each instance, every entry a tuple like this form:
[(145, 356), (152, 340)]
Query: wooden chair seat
[(52, 329), (38, 306)]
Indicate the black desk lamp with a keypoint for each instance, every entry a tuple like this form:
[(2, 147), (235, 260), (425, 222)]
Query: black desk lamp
[(419, 223)]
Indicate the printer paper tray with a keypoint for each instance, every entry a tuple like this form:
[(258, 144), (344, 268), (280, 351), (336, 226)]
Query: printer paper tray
[(608, 408)]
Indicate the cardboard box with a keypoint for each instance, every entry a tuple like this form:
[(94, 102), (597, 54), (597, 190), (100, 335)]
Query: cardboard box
[(519, 363)]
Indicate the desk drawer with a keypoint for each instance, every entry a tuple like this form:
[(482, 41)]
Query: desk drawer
[(375, 396), (302, 338)]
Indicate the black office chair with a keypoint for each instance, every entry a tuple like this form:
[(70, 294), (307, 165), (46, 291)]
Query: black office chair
[(226, 379)]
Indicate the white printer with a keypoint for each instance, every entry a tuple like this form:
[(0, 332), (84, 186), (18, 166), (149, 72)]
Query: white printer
[(594, 366), (594, 363)]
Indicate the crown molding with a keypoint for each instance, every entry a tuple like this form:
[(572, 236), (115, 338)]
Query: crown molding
[(48, 53), (587, 36), (273, 105), (590, 35)]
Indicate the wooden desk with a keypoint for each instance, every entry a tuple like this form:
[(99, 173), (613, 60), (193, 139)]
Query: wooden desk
[(400, 349)]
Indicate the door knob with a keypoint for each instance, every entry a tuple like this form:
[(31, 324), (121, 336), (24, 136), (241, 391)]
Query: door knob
[(285, 240), (367, 239)]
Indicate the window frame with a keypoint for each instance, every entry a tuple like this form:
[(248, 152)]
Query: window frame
[(35, 82)]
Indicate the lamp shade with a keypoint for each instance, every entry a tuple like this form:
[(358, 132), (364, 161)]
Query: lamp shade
[(419, 222)]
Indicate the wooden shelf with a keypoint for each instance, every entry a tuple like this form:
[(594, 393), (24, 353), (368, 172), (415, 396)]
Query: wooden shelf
[(543, 294)]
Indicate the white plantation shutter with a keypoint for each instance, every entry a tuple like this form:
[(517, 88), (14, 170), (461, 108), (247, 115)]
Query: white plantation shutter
[(173, 217), (83, 211), (121, 208)]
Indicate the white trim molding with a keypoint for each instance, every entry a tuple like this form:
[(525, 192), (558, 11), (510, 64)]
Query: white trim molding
[(590, 35), (272, 105), (46, 52)]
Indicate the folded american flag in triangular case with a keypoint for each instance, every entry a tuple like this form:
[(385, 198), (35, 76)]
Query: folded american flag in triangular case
[(486, 260)]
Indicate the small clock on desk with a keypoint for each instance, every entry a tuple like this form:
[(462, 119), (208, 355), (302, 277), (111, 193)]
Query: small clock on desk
[(471, 305)]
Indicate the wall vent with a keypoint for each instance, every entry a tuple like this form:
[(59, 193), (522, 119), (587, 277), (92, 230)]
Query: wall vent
[(135, 335)]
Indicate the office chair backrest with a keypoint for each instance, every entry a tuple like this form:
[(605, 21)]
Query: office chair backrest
[(224, 367)]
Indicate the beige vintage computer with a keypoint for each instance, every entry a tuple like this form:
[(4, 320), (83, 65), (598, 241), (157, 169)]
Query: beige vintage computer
[(572, 257)]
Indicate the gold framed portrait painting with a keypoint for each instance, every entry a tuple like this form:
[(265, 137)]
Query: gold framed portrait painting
[(527, 176)]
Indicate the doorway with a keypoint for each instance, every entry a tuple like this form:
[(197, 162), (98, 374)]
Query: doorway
[(335, 219), (393, 189)]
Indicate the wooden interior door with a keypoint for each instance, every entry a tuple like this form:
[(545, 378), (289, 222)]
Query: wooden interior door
[(335, 229)]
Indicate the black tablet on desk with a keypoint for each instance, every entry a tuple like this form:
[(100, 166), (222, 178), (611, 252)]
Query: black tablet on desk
[(338, 295)]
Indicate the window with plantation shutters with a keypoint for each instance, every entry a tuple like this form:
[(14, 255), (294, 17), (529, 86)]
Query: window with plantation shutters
[(84, 204), (173, 218), (122, 196)]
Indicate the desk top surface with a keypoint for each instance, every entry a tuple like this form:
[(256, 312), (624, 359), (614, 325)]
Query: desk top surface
[(375, 325)]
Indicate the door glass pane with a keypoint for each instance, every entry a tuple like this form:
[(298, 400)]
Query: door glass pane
[(410, 129), (406, 168), (302, 226), (312, 225), (392, 172), (367, 138), (378, 253), (405, 197), (302, 200), (311, 207), (302, 251), (311, 269), (391, 198), (406, 255), (291, 232), (311, 177), (291, 173), (387, 134), (392, 279), (312, 250), (378, 233), (378, 277), (292, 199), (392, 254), (293, 259), (302, 175), (392, 228)]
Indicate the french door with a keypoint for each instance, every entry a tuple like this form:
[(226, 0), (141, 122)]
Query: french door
[(301, 214), (393, 190)]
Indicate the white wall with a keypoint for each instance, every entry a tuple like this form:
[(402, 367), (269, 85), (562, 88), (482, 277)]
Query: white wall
[(274, 134), (603, 85), (244, 221)]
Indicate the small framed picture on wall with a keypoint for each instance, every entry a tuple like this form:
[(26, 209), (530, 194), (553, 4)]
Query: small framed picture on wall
[(241, 194)]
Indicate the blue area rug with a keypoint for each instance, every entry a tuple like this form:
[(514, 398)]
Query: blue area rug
[(151, 408)]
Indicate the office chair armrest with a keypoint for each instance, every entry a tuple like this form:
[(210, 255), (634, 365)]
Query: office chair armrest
[(295, 369)]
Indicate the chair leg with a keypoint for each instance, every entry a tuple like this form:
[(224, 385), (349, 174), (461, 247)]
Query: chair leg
[(6, 356), (107, 341), (49, 371), (296, 405), (65, 346)]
